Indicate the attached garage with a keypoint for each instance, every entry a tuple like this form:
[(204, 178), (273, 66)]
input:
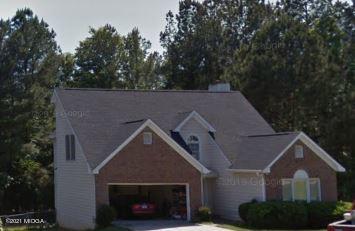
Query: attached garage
[(156, 173), (135, 201)]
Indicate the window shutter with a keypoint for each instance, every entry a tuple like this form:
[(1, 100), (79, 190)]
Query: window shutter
[(67, 147), (72, 147)]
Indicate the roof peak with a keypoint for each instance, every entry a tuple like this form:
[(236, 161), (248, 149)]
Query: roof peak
[(142, 90)]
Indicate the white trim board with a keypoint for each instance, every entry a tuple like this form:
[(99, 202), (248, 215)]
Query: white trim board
[(315, 148), (149, 123), (187, 188), (198, 118)]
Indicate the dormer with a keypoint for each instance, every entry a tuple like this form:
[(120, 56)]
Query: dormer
[(197, 135), (198, 118)]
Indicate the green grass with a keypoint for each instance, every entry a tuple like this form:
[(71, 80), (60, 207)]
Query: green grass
[(242, 227)]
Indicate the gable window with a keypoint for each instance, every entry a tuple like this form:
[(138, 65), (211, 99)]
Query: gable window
[(301, 188), (298, 151), (70, 147), (147, 138), (194, 145)]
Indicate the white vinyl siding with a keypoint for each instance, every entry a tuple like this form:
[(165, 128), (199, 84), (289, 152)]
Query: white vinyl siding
[(70, 147), (74, 185), (225, 193)]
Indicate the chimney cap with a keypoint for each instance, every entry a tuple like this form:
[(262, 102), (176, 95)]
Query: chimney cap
[(219, 87)]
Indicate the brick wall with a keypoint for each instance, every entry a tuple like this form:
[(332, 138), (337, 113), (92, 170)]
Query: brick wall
[(156, 163), (287, 165)]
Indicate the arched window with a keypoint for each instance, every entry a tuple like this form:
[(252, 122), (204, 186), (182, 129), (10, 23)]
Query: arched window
[(301, 187), (194, 146)]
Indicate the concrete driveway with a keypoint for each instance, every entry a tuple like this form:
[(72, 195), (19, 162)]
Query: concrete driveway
[(165, 225)]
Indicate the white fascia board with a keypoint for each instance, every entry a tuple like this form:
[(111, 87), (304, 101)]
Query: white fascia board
[(315, 148), (321, 153), (149, 123), (199, 118), (245, 170)]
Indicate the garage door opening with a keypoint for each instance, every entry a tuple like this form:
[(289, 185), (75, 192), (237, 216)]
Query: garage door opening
[(150, 201)]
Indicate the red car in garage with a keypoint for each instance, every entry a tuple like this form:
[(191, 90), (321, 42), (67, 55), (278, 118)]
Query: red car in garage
[(144, 209)]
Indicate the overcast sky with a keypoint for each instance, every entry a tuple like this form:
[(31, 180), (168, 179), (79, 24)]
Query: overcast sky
[(71, 19)]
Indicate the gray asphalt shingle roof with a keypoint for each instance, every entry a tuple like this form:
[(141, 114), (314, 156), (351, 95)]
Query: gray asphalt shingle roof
[(103, 126), (257, 152)]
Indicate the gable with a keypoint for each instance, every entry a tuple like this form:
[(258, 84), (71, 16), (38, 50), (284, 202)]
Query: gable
[(157, 162), (167, 139), (197, 118), (288, 163), (313, 147)]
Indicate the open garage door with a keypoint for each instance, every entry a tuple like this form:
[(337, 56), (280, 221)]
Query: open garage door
[(135, 201)]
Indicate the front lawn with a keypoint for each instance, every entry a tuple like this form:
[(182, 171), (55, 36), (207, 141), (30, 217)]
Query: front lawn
[(242, 227)]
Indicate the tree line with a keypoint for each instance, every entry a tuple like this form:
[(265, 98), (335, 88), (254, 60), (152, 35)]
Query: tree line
[(292, 59)]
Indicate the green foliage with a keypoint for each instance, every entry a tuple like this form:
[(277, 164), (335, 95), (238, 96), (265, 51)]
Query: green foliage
[(28, 67), (201, 39), (107, 59), (243, 210), (204, 214), (287, 215), (105, 215), (292, 215), (294, 60), (320, 214)]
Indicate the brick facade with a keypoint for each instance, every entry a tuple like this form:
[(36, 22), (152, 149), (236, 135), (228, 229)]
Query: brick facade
[(287, 165), (156, 163)]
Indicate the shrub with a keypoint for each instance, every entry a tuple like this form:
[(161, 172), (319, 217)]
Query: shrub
[(105, 216), (243, 210), (278, 214), (204, 214), (320, 214)]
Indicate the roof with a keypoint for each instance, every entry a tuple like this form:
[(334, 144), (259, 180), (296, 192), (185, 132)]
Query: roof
[(150, 124), (260, 152), (257, 152), (103, 119)]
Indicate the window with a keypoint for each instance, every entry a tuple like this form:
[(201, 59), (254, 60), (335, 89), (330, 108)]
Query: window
[(299, 151), (301, 188), (69, 147), (194, 146), (147, 138), (287, 189), (314, 187)]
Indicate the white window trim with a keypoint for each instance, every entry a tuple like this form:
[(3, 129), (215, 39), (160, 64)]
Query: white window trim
[(300, 148), (307, 187), (159, 132), (314, 147), (199, 144), (150, 141), (198, 118)]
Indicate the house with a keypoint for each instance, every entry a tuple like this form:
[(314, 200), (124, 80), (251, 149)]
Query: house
[(179, 150)]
